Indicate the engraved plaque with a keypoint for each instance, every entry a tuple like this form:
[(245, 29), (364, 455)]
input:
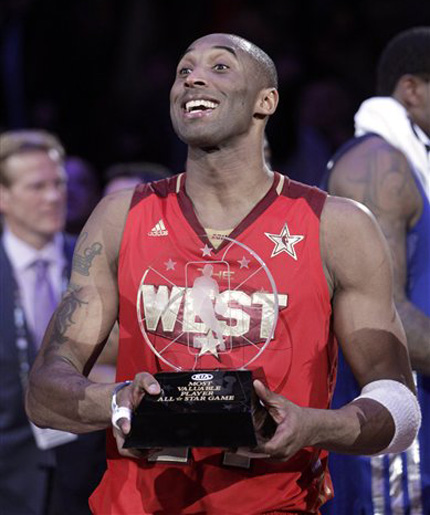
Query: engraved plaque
[(197, 409)]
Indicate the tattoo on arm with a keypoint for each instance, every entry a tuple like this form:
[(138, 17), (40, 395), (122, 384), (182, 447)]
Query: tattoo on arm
[(83, 258), (387, 175), (389, 192), (64, 317)]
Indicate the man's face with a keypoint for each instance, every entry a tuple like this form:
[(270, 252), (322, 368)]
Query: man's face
[(34, 202), (214, 93)]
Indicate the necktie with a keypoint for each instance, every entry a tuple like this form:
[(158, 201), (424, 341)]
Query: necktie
[(44, 301)]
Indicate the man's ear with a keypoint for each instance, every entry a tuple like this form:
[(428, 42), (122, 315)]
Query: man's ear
[(408, 91), (267, 102)]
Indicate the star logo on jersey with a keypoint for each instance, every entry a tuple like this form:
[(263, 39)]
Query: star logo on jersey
[(206, 250), (285, 242), (244, 263), (170, 265)]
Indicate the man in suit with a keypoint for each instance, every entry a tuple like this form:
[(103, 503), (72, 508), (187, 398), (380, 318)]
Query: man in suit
[(33, 206)]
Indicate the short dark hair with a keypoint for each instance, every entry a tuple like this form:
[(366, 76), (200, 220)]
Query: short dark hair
[(26, 140), (406, 53), (263, 61)]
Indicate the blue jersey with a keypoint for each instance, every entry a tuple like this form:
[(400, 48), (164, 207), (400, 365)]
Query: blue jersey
[(393, 484)]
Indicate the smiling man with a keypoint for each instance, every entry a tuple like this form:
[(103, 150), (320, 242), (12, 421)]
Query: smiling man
[(35, 262), (33, 207), (136, 260)]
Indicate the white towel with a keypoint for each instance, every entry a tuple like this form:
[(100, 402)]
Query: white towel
[(388, 118)]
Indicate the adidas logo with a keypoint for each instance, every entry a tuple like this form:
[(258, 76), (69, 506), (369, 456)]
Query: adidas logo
[(159, 229)]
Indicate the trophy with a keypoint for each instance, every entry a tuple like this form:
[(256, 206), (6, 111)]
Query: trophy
[(207, 322)]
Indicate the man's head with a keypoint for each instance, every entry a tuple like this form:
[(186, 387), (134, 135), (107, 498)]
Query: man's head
[(32, 185), (224, 87), (404, 73)]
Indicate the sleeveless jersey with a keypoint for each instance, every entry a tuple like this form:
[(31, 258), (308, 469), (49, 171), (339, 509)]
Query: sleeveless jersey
[(395, 483), (166, 261)]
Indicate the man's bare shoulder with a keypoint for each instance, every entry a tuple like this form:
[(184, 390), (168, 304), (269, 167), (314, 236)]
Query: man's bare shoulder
[(368, 157), (350, 238), (107, 221), (344, 214), (112, 209), (378, 175), (117, 203)]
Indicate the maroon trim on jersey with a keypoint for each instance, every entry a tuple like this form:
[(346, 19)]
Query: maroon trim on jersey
[(187, 209), (160, 188), (141, 191), (311, 194)]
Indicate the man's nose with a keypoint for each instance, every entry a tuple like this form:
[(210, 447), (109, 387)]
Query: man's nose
[(55, 193), (195, 79)]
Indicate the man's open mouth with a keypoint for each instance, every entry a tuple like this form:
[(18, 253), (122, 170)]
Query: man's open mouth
[(195, 106)]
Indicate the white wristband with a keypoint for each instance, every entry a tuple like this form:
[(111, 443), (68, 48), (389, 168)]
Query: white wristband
[(403, 407), (119, 411)]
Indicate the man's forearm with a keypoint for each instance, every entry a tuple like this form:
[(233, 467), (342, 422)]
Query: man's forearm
[(417, 328), (361, 427), (62, 398)]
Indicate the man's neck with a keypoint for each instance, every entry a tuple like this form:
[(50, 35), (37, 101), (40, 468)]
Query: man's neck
[(225, 186)]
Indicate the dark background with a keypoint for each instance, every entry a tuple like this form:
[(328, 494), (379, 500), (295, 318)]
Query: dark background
[(98, 72)]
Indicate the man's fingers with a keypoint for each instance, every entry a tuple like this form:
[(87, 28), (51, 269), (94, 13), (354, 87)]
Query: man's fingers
[(145, 383), (265, 395), (124, 425), (125, 399), (121, 417)]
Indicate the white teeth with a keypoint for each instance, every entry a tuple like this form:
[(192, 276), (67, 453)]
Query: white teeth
[(199, 104)]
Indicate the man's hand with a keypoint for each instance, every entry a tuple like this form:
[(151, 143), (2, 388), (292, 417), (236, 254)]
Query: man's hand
[(130, 397), (293, 427)]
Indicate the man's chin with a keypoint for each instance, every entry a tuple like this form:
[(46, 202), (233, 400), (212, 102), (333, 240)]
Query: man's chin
[(50, 229)]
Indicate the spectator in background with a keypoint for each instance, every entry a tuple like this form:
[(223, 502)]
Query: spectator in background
[(35, 258), (39, 474), (128, 175), (83, 192), (387, 167)]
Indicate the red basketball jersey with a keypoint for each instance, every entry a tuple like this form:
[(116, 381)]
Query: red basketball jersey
[(188, 305)]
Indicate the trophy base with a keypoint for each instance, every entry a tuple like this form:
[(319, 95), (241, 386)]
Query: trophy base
[(205, 408)]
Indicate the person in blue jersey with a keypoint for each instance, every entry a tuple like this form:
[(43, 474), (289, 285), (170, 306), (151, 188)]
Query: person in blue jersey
[(387, 168)]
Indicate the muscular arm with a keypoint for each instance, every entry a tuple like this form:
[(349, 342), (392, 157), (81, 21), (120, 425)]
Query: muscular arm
[(60, 395), (366, 323), (379, 176), (367, 326)]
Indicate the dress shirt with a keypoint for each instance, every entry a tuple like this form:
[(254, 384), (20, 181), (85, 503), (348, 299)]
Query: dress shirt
[(22, 256)]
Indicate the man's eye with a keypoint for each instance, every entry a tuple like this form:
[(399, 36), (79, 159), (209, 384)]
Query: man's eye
[(183, 72), (36, 186), (221, 67)]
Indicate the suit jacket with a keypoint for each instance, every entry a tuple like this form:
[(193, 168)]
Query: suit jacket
[(20, 460)]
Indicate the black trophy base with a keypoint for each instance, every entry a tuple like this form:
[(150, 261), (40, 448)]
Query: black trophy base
[(210, 408)]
